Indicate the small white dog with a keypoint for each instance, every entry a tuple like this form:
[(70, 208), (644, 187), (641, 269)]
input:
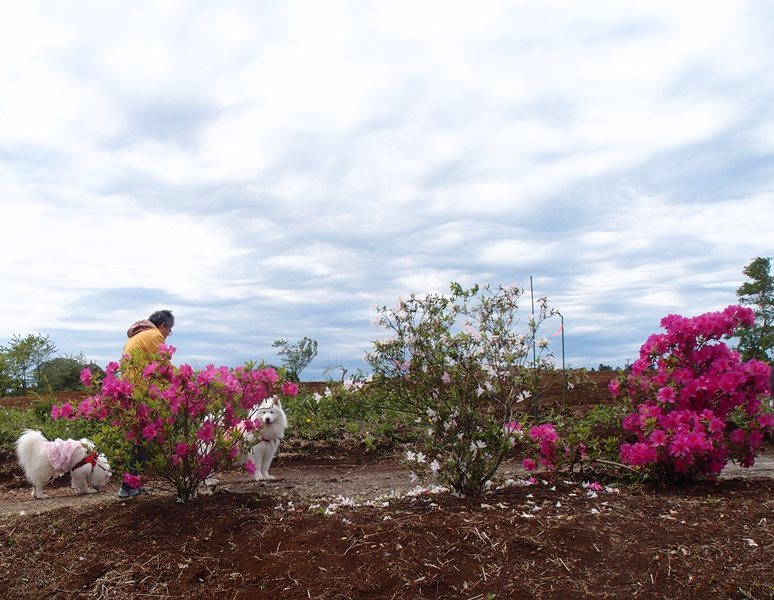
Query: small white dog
[(43, 460), (274, 421)]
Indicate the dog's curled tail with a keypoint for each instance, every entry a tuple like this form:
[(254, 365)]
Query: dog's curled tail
[(28, 445)]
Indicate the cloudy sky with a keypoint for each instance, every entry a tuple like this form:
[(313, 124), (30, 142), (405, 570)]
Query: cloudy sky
[(275, 169)]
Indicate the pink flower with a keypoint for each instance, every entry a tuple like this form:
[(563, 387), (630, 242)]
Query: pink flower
[(206, 465), (133, 481), (545, 433), (445, 378), (250, 468), (86, 377), (66, 411), (737, 436), (182, 449), (84, 408), (149, 432), (268, 375), (755, 439), (666, 395), (614, 387), (638, 454), (679, 447), (766, 420), (206, 432), (289, 388), (529, 464), (658, 438), (150, 369), (55, 413)]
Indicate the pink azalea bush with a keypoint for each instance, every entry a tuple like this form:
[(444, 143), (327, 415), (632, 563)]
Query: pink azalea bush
[(189, 424), (550, 449), (696, 404)]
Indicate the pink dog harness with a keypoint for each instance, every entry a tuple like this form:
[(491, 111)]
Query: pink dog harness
[(60, 453)]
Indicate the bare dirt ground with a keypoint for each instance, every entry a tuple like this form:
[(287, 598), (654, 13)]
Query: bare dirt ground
[(341, 524)]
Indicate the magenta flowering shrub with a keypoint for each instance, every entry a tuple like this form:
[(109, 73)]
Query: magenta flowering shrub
[(549, 449), (696, 404), (188, 424)]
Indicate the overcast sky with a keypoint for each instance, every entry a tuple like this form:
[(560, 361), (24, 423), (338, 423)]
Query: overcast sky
[(274, 169)]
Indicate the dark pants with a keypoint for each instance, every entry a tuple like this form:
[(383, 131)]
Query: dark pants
[(137, 458)]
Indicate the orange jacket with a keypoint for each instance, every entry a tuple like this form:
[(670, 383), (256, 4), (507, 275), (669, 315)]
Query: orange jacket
[(146, 340)]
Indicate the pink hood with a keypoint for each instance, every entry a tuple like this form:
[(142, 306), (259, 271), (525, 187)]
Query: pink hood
[(138, 327)]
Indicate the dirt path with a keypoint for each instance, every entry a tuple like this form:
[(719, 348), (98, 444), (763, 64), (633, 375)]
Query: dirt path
[(299, 479), (306, 479)]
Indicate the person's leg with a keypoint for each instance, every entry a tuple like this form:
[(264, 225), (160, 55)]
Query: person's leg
[(137, 458)]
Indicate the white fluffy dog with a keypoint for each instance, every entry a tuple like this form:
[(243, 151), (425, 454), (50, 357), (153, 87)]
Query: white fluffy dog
[(43, 460), (274, 421)]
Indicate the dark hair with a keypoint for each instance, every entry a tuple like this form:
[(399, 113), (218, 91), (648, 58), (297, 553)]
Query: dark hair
[(162, 317)]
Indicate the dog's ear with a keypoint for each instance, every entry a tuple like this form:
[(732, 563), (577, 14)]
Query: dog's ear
[(277, 403)]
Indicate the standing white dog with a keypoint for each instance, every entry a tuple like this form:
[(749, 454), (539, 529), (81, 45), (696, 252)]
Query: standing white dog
[(274, 421), (43, 460)]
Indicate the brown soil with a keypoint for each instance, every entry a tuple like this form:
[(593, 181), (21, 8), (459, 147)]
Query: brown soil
[(340, 524)]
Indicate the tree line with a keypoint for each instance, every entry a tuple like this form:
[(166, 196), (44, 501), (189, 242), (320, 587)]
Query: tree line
[(28, 363)]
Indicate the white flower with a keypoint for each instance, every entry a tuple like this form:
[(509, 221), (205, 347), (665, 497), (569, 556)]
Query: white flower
[(431, 413), (421, 457), (317, 397), (477, 445), (542, 342), (479, 391), (328, 392), (435, 466), (410, 456)]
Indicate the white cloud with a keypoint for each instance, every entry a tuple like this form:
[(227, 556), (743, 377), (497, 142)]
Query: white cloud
[(273, 169)]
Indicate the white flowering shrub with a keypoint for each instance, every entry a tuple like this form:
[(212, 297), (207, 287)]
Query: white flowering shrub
[(460, 365)]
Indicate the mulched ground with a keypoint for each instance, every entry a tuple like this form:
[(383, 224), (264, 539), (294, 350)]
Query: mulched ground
[(554, 539), (710, 540)]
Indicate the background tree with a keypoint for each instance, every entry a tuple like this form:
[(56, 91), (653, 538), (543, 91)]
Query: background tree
[(64, 373), (22, 359), (758, 341), (6, 381), (296, 357)]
